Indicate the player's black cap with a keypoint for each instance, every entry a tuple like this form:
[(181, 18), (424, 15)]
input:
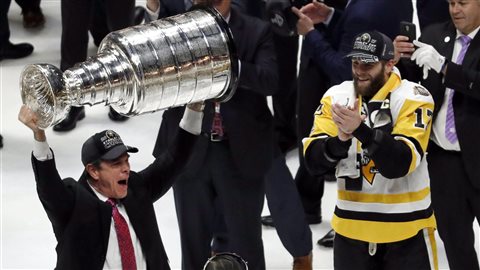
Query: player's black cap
[(371, 47), (105, 145)]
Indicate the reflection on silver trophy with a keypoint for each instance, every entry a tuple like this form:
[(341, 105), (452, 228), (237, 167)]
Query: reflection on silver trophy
[(167, 63)]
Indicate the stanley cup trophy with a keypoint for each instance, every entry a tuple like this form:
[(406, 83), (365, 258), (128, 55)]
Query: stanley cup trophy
[(167, 63)]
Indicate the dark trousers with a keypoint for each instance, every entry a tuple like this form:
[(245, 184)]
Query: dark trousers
[(414, 253), (77, 19), (286, 209), (311, 88), (284, 114), (456, 203), (4, 27), (198, 195), (284, 205), (29, 5)]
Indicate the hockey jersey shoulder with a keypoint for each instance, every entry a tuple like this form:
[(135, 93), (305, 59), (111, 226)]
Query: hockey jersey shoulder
[(412, 91)]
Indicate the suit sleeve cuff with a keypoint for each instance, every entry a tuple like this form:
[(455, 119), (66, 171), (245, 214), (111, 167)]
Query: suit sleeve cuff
[(153, 15), (41, 151), (192, 121)]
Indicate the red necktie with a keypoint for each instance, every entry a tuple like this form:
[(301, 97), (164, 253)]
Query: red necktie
[(125, 245), (217, 125)]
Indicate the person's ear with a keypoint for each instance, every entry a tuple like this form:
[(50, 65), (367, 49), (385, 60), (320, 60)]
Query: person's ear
[(389, 66), (93, 172)]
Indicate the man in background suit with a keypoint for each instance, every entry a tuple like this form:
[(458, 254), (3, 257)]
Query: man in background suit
[(281, 193), (229, 169), (453, 150)]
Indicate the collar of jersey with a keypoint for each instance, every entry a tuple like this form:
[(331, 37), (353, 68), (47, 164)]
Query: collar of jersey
[(392, 83)]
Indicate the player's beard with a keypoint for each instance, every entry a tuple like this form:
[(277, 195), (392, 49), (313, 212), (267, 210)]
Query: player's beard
[(376, 83)]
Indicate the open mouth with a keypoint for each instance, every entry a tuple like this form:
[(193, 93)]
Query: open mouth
[(122, 182)]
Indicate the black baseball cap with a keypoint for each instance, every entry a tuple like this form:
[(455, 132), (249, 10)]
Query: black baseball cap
[(371, 47), (105, 145)]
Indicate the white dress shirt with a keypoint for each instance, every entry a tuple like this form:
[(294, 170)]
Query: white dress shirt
[(113, 258)]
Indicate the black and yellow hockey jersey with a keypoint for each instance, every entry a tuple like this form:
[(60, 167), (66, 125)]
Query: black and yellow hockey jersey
[(390, 200)]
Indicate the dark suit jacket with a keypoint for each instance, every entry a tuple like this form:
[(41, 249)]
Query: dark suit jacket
[(465, 79), (174, 7), (81, 222), (171, 7), (246, 117), (328, 46), (432, 11)]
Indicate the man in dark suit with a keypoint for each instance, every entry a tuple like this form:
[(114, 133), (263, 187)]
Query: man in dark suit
[(448, 56), (229, 169), (106, 220), (329, 33), (281, 193)]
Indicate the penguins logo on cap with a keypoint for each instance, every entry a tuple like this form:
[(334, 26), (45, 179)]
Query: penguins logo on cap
[(110, 134)]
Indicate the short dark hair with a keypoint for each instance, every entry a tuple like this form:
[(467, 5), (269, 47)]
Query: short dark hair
[(97, 163)]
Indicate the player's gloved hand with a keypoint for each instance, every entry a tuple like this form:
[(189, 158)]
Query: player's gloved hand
[(427, 57)]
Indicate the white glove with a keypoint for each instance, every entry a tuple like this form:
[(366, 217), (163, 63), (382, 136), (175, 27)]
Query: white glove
[(427, 57)]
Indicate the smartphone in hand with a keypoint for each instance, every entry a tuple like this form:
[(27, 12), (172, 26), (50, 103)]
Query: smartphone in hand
[(409, 30)]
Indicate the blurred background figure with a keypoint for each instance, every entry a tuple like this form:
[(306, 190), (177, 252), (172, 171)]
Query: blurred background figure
[(281, 193), (32, 13), (233, 156), (9, 50), (99, 17)]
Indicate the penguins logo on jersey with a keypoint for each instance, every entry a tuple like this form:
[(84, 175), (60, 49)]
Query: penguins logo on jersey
[(368, 169)]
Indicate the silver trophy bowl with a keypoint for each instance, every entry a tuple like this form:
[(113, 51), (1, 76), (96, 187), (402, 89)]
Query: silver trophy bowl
[(170, 62)]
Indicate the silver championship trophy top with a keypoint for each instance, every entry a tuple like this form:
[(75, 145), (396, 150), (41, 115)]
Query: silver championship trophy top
[(170, 62)]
